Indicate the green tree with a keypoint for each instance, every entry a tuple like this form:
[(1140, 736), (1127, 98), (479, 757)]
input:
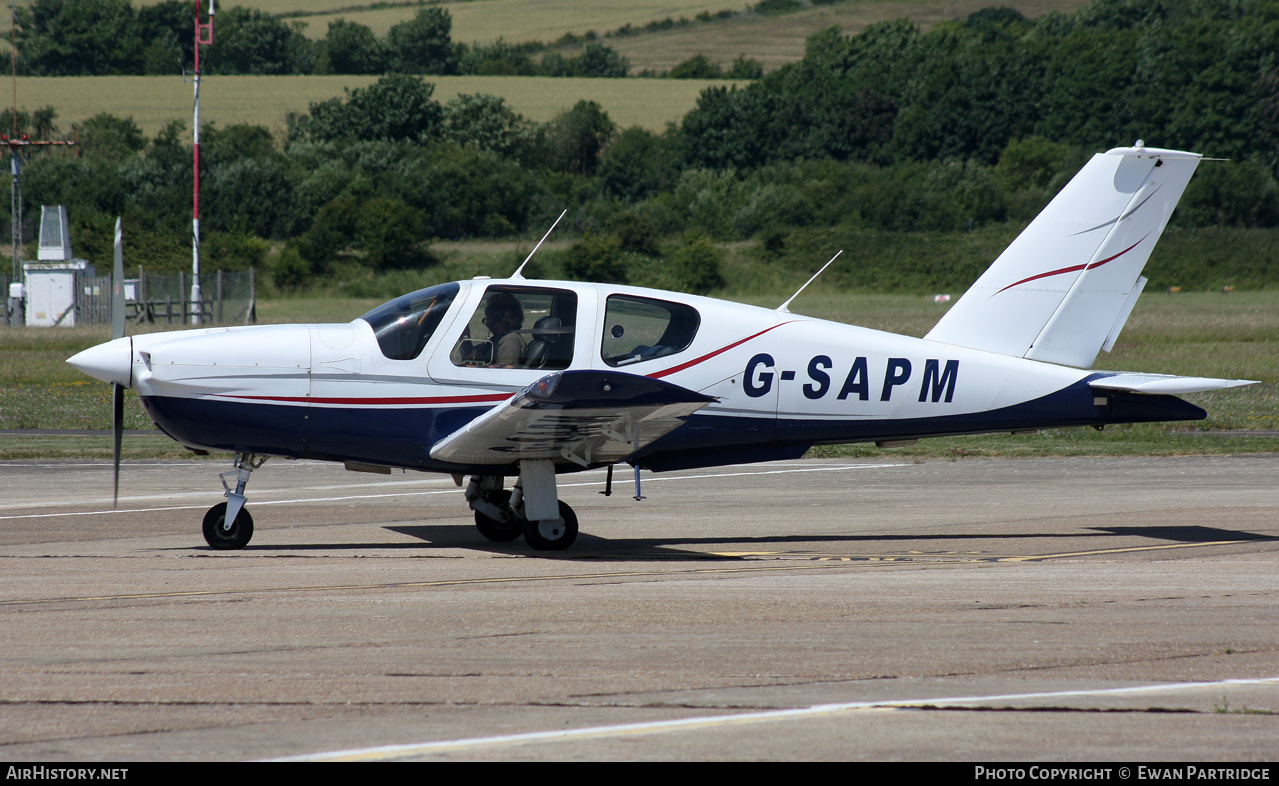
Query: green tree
[(578, 136), (40, 124), (486, 122), (421, 45), (1230, 194), (693, 266), (697, 67), (351, 48), (637, 163), (78, 37), (251, 194), (390, 233), (332, 232), (464, 192), (744, 67), (106, 137), (236, 141), (166, 32), (501, 58), (776, 7), (637, 233), (598, 60), (1032, 162), (250, 41), (596, 258), (237, 249), (396, 107)]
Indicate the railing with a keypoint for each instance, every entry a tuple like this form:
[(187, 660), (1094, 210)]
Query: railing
[(226, 298)]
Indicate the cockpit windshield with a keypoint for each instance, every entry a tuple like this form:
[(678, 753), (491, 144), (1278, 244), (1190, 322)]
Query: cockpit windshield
[(404, 325)]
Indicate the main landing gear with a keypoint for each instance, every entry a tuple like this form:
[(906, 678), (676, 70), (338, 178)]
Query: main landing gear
[(228, 525), (531, 509)]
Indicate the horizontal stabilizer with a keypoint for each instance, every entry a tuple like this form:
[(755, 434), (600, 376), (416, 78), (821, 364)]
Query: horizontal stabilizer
[(588, 418), (1063, 289), (1163, 383)]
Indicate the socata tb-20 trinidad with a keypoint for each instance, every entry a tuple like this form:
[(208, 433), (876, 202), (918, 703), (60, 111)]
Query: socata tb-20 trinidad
[(528, 379)]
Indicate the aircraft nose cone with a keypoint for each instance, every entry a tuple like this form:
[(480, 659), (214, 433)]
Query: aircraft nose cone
[(109, 362)]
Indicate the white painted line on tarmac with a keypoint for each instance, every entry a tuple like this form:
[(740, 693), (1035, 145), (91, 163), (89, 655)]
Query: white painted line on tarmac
[(710, 721)]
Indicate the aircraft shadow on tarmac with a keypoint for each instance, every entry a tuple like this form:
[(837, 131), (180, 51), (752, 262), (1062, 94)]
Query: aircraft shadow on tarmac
[(449, 536), (1188, 534)]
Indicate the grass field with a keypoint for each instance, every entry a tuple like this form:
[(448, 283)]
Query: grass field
[(778, 40), (153, 101), (1207, 334), (524, 20), (773, 40)]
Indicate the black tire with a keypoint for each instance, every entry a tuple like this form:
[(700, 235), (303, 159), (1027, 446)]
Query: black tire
[(564, 536), (227, 540), (496, 530)]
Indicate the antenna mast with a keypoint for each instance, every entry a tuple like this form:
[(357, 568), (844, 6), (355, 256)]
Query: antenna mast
[(203, 36), (14, 146), (17, 143)]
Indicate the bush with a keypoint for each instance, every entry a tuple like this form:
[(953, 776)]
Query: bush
[(694, 266), (777, 7), (1230, 194), (596, 258), (290, 270)]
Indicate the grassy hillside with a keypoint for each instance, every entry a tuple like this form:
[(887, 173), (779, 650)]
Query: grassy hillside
[(153, 101), (521, 20), (778, 40), (773, 40)]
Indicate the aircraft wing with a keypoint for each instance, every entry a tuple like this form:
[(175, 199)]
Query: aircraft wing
[(589, 418), (1163, 383)]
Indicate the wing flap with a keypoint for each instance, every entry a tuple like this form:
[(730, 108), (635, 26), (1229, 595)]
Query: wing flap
[(588, 418)]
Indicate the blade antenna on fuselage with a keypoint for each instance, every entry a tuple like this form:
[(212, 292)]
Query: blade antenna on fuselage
[(783, 307), (516, 274)]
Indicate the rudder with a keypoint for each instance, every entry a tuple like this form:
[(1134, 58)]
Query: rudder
[(1063, 289)]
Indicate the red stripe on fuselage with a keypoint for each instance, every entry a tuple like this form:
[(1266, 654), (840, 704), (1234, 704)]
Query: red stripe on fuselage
[(709, 355)]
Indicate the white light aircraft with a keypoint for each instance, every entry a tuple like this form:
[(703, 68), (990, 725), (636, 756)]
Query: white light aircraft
[(515, 378)]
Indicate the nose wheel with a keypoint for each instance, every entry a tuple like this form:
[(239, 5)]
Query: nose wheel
[(227, 525), (226, 538)]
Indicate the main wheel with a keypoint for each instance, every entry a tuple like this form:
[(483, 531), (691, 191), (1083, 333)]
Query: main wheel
[(237, 537), (496, 530), (552, 535)]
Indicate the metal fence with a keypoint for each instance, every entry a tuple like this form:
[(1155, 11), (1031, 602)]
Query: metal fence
[(226, 298)]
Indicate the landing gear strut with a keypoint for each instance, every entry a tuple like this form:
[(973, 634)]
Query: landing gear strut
[(227, 525), (531, 509)]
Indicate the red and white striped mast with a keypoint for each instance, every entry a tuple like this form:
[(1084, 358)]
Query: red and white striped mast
[(203, 36)]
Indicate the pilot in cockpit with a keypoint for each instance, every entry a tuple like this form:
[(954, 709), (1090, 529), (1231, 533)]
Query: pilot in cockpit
[(504, 317)]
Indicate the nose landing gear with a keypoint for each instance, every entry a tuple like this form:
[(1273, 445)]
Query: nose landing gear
[(227, 525)]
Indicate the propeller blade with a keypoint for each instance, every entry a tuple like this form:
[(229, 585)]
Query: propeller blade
[(117, 331), (117, 287), (117, 434)]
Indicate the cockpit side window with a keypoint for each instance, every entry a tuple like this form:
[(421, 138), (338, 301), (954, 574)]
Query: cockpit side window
[(520, 327), (404, 325), (638, 329)]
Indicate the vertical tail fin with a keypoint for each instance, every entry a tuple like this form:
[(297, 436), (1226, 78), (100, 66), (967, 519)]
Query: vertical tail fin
[(1063, 289)]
